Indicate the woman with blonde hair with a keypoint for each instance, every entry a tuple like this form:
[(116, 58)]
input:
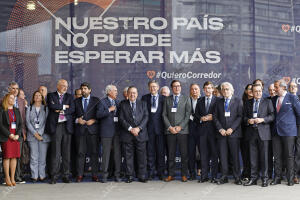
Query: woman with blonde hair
[(10, 137)]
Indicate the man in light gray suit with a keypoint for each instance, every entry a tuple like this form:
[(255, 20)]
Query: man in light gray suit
[(176, 115)]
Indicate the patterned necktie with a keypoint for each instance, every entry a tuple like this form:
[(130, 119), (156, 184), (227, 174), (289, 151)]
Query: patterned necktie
[(16, 103), (61, 116), (85, 105), (133, 106), (226, 105), (207, 104), (113, 103), (279, 104), (256, 106), (175, 102), (153, 102)]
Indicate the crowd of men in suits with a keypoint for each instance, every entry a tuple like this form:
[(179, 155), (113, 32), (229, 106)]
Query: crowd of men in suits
[(145, 131)]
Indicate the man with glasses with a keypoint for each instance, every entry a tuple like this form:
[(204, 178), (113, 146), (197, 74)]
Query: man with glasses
[(176, 115)]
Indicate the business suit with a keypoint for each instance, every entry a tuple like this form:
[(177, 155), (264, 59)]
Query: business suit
[(207, 137), (193, 140), (259, 135), (138, 118), (156, 142), (179, 118), (110, 135), (60, 132), (38, 149), (86, 136), (297, 146), (229, 143), (4, 125), (284, 133)]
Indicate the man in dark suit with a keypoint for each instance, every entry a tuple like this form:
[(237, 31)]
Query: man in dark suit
[(86, 131), (176, 116), (133, 119), (107, 113), (258, 114), (287, 108), (207, 133), (293, 89), (193, 137), (155, 128), (60, 126), (227, 118)]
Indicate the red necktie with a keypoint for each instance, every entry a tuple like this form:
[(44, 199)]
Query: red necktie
[(278, 104)]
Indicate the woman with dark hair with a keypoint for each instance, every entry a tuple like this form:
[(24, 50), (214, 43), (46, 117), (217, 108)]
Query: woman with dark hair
[(10, 136), (245, 146), (38, 140)]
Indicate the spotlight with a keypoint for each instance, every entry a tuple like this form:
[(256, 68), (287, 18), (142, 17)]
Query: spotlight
[(30, 5)]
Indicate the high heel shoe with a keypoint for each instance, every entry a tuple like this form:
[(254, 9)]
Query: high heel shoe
[(13, 183), (8, 183)]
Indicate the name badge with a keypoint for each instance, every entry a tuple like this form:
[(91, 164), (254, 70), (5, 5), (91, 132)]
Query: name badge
[(13, 125), (191, 117), (116, 119), (153, 110), (254, 115), (174, 110), (37, 126), (227, 114)]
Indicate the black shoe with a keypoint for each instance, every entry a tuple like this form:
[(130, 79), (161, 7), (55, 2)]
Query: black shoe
[(264, 183), (222, 180), (161, 177), (214, 180), (192, 177), (142, 180), (33, 180), (203, 180), (103, 180), (290, 183), (238, 181), (151, 177), (118, 179), (251, 182), (276, 181), (52, 180), (66, 180), (129, 180)]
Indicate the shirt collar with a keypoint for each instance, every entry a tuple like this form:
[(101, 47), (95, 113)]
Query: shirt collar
[(110, 99), (154, 95), (210, 97), (176, 95), (59, 94), (88, 98)]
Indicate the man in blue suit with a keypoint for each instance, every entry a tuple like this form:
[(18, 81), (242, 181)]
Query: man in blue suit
[(287, 108), (109, 132), (155, 128)]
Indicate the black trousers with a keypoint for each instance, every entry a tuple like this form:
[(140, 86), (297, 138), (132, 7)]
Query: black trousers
[(259, 150), (182, 141), (193, 143), (208, 151), (245, 151), (19, 168), (139, 148), (232, 146), (88, 143), (283, 150), (60, 148), (111, 145), (297, 152), (156, 154)]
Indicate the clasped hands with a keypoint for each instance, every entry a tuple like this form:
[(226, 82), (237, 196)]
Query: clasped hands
[(226, 132), (174, 130), (256, 121), (38, 136), (206, 118), (13, 137), (135, 131), (87, 122)]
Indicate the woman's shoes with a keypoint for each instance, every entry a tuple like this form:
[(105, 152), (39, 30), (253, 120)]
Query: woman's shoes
[(8, 183), (13, 183)]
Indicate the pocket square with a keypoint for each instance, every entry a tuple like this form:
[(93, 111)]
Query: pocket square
[(287, 103)]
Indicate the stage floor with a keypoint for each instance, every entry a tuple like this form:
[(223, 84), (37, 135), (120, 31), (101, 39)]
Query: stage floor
[(153, 190)]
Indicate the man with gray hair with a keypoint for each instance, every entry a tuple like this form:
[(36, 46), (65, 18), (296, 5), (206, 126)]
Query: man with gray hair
[(227, 118), (165, 91), (287, 109), (107, 114)]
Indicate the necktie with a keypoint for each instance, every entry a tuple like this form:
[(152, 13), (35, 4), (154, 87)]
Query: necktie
[(16, 103), (113, 103), (133, 109), (175, 102), (61, 116), (207, 104), (153, 102), (85, 105), (278, 104), (226, 105), (256, 106)]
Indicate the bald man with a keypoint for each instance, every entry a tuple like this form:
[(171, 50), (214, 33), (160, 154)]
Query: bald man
[(60, 127)]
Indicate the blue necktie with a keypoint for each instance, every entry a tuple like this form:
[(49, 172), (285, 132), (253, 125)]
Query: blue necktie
[(175, 102), (256, 106), (133, 109), (85, 105), (153, 102), (113, 103), (207, 104), (226, 105)]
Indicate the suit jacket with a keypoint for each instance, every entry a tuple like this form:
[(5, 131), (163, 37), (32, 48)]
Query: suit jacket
[(126, 120), (235, 119), (285, 119), (108, 128), (193, 129), (266, 111), (53, 105), (89, 114), (181, 117), (4, 125), (298, 117), (22, 107), (155, 123), (30, 122), (208, 126)]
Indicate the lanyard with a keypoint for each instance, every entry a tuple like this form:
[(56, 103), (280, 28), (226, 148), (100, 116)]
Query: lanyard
[(37, 114), (11, 114)]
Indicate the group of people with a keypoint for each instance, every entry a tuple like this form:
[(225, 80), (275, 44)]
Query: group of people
[(145, 132)]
